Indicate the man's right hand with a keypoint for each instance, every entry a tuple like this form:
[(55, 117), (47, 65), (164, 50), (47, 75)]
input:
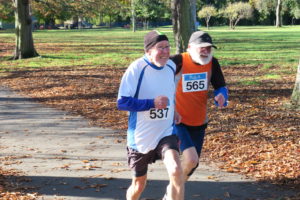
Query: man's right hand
[(161, 102)]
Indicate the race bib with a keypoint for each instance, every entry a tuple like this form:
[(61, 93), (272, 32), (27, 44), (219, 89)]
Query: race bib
[(157, 114), (194, 82)]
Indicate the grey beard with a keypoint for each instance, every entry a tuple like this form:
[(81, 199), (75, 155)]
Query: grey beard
[(199, 59)]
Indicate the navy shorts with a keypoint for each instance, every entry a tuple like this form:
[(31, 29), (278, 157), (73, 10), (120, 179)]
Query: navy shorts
[(190, 136), (138, 162)]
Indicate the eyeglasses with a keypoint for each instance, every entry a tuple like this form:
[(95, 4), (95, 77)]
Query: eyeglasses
[(161, 48)]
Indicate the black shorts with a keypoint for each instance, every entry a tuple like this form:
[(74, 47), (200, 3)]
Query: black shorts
[(138, 162)]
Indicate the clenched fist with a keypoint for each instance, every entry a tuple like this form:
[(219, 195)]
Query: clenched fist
[(161, 102), (221, 100)]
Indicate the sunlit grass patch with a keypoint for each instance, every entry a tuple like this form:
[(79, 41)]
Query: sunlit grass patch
[(249, 82), (271, 76)]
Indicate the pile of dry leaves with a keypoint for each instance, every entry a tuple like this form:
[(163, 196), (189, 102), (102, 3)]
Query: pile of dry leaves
[(257, 135), (10, 189)]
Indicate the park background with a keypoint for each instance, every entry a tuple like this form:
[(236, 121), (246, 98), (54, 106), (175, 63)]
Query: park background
[(85, 48)]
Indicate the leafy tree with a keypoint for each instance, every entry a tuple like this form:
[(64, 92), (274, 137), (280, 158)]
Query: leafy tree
[(277, 8), (99, 10), (80, 9), (77, 10), (50, 10), (294, 9), (266, 8), (296, 13), (237, 11), (286, 8), (207, 12), (110, 8), (6, 11), (147, 10), (184, 22), (24, 40), (217, 4)]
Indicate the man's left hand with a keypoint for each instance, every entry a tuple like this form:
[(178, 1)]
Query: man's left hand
[(221, 100)]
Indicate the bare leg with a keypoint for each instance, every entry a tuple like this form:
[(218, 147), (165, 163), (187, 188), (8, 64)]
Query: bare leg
[(189, 162), (136, 188), (175, 189)]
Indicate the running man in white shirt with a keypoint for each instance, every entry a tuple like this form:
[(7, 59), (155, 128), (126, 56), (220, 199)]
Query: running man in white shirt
[(147, 91)]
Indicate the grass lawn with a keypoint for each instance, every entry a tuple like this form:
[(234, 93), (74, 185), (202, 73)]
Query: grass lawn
[(257, 135), (266, 46)]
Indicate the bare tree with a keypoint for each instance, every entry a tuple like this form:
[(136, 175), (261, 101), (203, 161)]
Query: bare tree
[(184, 22), (23, 22)]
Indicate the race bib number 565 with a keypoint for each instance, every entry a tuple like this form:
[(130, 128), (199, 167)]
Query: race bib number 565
[(194, 82), (157, 114)]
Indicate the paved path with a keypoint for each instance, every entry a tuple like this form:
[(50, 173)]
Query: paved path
[(63, 157)]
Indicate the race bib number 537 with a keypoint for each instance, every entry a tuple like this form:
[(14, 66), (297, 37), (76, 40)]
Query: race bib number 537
[(157, 114), (194, 82)]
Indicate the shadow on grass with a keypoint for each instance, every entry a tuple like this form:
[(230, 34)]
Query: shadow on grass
[(5, 58)]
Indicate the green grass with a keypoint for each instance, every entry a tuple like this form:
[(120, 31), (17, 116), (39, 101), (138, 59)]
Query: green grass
[(256, 45), (249, 82), (271, 77)]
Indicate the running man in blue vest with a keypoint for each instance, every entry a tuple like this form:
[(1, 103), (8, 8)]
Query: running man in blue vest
[(147, 91)]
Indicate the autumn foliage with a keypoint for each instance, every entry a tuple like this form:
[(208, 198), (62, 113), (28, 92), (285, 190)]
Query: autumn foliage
[(256, 135)]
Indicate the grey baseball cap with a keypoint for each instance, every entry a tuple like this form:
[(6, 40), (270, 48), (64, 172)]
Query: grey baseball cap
[(202, 39)]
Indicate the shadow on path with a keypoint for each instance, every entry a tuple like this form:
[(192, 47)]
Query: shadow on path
[(101, 188)]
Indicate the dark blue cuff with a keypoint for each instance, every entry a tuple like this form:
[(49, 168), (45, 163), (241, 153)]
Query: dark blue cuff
[(224, 92), (135, 105)]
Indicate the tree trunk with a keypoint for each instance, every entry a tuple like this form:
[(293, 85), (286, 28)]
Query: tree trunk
[(80, 19), (278, 14), (296, 93), (110, 21), (184, 22), (23, 22), (231, 23), (207, 22), (193, 12), (236, 22), (100, 19), (133, 16)]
